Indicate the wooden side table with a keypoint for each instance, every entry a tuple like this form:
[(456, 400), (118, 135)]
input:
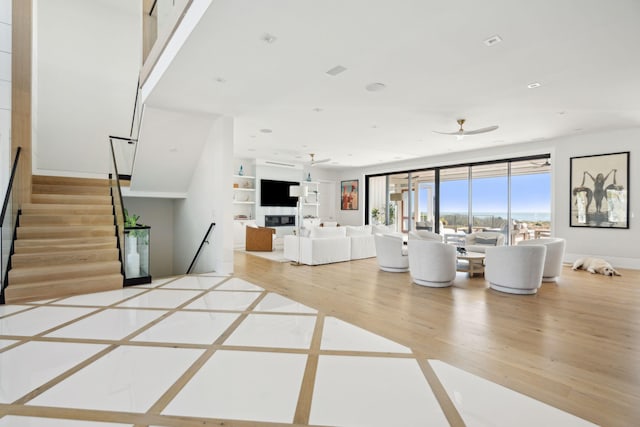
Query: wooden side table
[(474, 263)]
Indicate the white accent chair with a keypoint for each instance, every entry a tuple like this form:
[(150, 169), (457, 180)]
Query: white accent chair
[(554, 257), (515, 269), (480, 241), (424, 235), (391, 253), (432, 263)]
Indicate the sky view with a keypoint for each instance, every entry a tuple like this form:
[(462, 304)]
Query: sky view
[(530, 193)]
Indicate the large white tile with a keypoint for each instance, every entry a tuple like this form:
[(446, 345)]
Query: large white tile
[(273, 330), (158, 298), (224, 301), (6, 343), (194, 282), (339, 335), (235, 284), (5, 91), (10, 309), (17, 421), (39, 319), (32, 364), (127, 379), (112, 324), (373, 391), (100, 299), (5, 11), (5, 37), (277, 303), (5, 66), (483, 403), (189, 327), (243, 385)]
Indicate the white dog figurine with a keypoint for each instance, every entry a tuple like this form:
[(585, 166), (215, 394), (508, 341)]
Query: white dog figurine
[(595, 265)]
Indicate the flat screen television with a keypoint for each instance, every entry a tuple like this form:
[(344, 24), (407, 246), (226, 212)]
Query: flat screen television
[(276, 193)]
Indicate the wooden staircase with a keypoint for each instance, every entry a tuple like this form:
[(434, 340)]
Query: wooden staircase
[(66, 241)]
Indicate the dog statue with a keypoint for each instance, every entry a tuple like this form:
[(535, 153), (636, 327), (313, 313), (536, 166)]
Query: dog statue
[(595, 265)]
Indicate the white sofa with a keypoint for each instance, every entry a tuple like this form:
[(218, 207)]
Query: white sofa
[(363, 244), (479, 242), (324, 245), (425, 235)]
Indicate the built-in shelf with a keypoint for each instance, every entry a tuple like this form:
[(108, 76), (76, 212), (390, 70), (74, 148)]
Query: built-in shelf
[(244, 189), (244, 203)]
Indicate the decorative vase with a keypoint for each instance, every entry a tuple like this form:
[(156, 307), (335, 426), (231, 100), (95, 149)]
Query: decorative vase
[(309, 177), (132, 265), (241, 171)]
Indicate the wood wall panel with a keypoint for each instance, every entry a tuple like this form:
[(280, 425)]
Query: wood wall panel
[(21, 70)]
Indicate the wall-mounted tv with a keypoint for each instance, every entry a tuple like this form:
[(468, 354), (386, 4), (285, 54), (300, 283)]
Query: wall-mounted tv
[(276, 193)]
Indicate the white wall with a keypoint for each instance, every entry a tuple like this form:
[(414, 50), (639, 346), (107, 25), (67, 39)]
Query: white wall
[(208, 200), (158, 214), (617, 246), (87, 56)]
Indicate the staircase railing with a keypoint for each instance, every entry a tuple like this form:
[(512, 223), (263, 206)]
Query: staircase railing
[(8, 223), (116, 197), (204, 240)]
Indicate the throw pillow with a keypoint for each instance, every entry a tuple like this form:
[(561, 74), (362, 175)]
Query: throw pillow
[(363, 230), (481, 241)]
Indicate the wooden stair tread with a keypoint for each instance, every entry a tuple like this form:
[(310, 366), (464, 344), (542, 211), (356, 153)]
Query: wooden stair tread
[(29, 232), (71, 190), (63, 220), (61, 257), (65, 241), (21, 275), (67, 209), (70, 199), (64, 180), (61, 288)]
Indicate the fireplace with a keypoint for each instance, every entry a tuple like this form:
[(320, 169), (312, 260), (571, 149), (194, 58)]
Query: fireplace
[(279, 220)]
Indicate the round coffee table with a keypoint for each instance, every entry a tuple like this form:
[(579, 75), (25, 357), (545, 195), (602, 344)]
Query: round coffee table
[(474, 263)]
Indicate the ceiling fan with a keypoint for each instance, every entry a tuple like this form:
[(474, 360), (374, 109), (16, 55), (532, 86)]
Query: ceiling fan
[(546, 163), (314, 162), (461, 133)]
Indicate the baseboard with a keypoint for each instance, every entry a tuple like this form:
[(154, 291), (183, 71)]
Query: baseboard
[(617, 262)]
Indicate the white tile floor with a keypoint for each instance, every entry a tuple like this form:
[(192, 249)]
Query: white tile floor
[(226, 349)]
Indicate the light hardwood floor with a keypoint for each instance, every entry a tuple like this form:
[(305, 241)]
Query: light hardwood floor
[(575, 345)]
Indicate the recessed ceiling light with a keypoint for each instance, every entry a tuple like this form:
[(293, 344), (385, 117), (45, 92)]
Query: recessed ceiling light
[(173, 149), (252, 149), (534, 85), (374, 126), (578, 129), (252, 136), (562, 113), (493, 40), (335, 163), (349, 155), (220, 80), (397, 157), (305, 146), (268, 38), (336, 70), (266, 130), (375, 87), (317, 109), (298, 157)]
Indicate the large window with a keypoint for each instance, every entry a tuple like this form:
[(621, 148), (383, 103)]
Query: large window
[(511, 196)]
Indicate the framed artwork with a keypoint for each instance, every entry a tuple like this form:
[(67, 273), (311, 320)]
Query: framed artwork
[(349, 195), (600, 191)]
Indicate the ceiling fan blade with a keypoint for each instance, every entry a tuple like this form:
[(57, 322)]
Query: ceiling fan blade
[(477, 131), (449, 133), (315, 162)]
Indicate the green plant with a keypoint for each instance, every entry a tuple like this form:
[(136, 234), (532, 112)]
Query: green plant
[(131, 221)]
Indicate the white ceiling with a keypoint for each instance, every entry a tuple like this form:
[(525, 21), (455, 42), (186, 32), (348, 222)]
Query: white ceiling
[(432, 59)]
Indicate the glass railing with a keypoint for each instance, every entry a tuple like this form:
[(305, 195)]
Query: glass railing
[(8, 221), (116, 197)]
